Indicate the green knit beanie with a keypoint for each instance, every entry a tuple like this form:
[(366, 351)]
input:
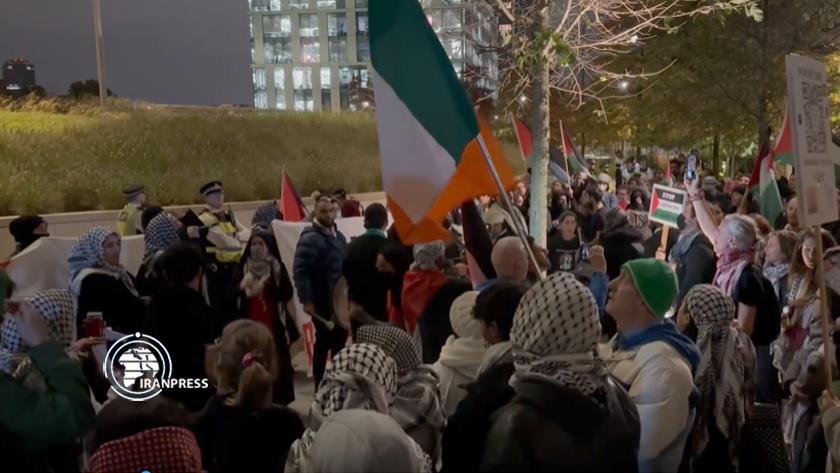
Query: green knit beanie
[(656, 283)]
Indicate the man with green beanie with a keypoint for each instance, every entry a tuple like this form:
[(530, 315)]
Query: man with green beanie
[(653, 360)]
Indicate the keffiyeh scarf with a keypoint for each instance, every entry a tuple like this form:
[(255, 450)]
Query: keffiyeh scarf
[(58, 307), (160, 234), (265, 214), (362, 377), (161, 450), (417, 401), (428, 255), (721, 378), (555, 333), (730, 266), (88, 257)]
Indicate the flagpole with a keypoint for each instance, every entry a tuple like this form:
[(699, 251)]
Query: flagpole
[(282, 186), (566, 161), (508, 204)]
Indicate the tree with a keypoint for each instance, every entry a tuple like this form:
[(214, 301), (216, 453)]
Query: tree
[(568, 50)]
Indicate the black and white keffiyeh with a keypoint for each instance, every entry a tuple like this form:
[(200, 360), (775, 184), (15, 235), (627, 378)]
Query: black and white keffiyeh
[(362, 377), (723, 370), (555, 334), (395, 342), (417, 401), (160, 234), (265, 214), (58, 307), (88, 256)]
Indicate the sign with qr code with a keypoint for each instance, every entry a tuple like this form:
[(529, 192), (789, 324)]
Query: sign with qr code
[(814, 161)]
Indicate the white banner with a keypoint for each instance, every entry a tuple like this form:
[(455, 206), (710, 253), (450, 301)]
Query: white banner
[(814, 152)]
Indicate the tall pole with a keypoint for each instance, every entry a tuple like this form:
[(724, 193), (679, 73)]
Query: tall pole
[(100, 51)]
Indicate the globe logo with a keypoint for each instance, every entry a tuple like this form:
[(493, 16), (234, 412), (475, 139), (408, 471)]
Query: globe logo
[(135, 365)]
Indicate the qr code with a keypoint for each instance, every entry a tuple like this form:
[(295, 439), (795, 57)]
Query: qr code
[(815, 121)]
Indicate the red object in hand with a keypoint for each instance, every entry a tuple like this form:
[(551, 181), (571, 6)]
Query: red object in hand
[(94, 325)]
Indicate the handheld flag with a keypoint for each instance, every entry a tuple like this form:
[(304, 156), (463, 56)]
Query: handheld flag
[(431, 159), (576, 165), (523, 137), (783, 151), (763, 185), (478, 244), (556, 163), (291, 205)]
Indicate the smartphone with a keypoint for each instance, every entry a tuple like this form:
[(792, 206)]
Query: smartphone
[(691, 168)]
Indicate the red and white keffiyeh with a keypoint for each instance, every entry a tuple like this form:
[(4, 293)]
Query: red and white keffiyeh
[(159, 450)]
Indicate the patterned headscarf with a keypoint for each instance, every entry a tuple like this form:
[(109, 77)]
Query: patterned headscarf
[(161, 450), (160, 234), (88, 253), (395, 342), (362, 377), (58, 307), (265, 214), (428, 255), (723, 372), (555, 333), (417, 402)]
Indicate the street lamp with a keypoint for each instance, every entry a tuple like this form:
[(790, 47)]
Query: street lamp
[(623, 85), (523, 98)]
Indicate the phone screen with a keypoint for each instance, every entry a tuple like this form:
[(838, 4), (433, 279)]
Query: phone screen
[(691, 168)]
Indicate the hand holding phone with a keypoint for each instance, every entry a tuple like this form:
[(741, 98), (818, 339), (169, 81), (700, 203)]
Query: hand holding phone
[(691, 168)]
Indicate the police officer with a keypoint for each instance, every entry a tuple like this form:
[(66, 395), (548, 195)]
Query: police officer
[(129, 220), (224, 249)]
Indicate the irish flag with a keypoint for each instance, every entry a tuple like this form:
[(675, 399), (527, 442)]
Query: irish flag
[(428, 129), (576, 166), (763, 184)]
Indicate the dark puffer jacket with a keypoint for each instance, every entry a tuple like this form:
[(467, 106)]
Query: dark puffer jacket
[(547, 427), (318, 260)]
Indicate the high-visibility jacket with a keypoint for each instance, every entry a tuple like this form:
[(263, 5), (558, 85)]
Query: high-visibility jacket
[(128, 220), (225, 226)]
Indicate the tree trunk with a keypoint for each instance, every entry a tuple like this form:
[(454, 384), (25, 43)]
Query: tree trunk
[(541, 124), (716, 154)]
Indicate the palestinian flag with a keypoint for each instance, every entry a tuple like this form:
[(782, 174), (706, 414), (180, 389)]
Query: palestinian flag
[(783, 152), (556, 163), (291, 205), (478, 244), (576, 164), (523, 137), (428, 129), (763, 185)]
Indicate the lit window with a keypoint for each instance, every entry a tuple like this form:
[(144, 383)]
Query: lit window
[(302, 81), (310, 43), (260, 99), (362, 38), (326, 91), (298, 4), (337, 28), (259, 79)]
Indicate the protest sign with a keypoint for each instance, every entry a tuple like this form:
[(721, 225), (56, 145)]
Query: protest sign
[(813, 149), (640, 220), (666, 205)]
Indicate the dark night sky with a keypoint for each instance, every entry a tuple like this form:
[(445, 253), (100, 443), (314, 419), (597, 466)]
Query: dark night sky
[(165, 51)]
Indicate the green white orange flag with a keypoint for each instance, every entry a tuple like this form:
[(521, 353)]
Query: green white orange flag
[(431, 160)]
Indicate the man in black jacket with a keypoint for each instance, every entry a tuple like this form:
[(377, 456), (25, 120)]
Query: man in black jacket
[(366, 284), (180, 318), (317, 269)]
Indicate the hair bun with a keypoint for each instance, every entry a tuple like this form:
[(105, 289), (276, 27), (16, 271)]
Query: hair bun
[(250, 358)]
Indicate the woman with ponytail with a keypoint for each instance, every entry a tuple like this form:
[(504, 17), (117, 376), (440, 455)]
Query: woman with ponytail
[(241, 429)]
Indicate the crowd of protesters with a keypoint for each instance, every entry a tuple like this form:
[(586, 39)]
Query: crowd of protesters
[(613, 349)]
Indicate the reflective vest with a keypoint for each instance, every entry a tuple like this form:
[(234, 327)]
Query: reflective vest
[(222, 255), (127, 220)]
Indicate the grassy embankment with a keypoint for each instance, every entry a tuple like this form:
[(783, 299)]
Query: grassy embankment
[(56, 157)]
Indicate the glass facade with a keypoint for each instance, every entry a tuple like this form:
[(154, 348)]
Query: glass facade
[(313, 55)]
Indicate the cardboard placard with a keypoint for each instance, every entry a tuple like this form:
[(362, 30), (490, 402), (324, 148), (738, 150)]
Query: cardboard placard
[(640, 220), (813, 150), (666, 205)]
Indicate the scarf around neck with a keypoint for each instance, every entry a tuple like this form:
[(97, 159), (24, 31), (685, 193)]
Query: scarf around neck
[(684, 244), (723, 372), (730, 266)]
